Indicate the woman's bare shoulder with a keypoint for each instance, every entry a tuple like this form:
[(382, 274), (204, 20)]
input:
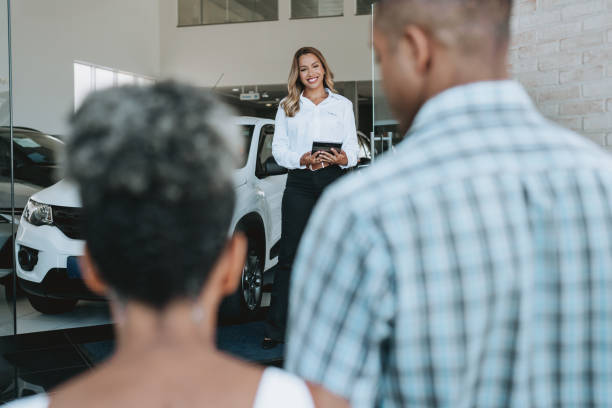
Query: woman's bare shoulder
[(175, 378), (325, 399)]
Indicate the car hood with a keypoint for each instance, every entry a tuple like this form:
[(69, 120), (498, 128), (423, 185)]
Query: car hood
[(66, 194), (23, 191), (62, 193)]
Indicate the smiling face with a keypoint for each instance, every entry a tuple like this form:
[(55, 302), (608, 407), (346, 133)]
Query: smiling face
[(311, 70)]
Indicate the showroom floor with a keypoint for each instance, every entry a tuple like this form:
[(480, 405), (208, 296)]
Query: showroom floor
[(52, 349), (30, 321), (85, 314)]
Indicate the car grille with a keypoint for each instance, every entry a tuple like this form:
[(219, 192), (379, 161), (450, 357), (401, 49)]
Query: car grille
[(68, 220)]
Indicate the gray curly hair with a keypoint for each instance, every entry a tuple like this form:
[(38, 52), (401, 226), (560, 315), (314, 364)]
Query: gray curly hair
[(154, 166)]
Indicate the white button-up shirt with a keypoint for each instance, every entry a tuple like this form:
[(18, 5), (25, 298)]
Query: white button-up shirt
[(331, 121)]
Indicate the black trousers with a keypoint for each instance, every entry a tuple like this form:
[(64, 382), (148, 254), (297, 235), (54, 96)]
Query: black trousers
[(303, 190)]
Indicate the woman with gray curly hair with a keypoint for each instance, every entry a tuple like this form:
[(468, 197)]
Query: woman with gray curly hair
[(154, 167)]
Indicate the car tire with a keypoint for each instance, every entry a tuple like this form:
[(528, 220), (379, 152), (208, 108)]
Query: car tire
[(251, 283), (51, 306), (244, 304)]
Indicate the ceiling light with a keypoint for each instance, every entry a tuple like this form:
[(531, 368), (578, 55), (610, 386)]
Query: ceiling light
[(268, 104), (235, 89)]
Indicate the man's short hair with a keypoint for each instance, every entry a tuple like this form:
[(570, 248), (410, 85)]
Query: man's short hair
[(154, 166), (461, 24)]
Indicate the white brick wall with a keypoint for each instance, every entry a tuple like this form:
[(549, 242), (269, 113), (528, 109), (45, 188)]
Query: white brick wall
[(561, 51)]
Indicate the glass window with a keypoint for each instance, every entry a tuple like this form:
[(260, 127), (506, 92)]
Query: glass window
[(247, 135), (265, 149), (364, 6), (83, 83), (316, 8), (253, 10), (215, 11), (105, 78), (142, 81), (226, 11), (39, 148), (189, 12), (89, 77), (125, 79)]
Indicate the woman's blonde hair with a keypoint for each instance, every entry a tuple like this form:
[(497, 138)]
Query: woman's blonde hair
[(291, 104)]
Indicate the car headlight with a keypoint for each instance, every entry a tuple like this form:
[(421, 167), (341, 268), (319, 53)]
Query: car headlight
[(38, 214)]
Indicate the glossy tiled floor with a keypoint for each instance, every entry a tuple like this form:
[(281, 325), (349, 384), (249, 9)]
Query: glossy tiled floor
[(86, 313), (56, 349), (30, 321), (37, 362)]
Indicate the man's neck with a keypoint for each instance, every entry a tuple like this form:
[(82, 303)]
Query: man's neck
[(459, 70), (456, 71)]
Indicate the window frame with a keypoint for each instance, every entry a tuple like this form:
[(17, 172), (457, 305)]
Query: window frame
[(260, 171), (357, 13), (202, 23), (140, 80), (291, 17)]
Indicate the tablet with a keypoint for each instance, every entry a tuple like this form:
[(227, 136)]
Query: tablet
[(325, 147)]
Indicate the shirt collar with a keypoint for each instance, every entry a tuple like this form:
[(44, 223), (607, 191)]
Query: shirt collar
[(465, 99), (329, 93)]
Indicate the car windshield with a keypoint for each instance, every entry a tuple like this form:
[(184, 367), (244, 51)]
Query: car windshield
[(246, 134), (39, 148)]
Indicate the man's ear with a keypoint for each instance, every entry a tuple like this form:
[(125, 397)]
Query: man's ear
[(90, 274), (418, 44), (232, 262)]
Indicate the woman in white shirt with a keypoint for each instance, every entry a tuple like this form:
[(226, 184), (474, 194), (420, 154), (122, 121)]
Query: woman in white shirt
[(313, 112), (154, 166)]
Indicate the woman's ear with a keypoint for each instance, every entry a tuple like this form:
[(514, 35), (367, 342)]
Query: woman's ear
[(91, 275)]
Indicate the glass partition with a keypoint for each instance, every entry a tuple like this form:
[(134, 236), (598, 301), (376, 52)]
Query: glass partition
[(10, 204), (61, 54), (384, 134)]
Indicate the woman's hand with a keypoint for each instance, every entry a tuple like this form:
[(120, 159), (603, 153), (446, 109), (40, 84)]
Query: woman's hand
[(309, 159), (334, 157)]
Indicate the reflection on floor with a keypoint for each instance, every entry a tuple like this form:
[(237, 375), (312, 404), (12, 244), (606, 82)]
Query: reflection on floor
[(36, 362), (86, 313)]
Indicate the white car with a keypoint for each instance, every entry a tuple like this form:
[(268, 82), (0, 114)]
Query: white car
[(49, 238)]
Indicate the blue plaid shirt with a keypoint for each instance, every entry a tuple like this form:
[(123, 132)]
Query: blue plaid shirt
[(471, 268)]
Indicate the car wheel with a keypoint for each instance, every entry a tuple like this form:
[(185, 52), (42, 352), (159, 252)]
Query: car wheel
[(252, 282), (243, 305), (46, 305)]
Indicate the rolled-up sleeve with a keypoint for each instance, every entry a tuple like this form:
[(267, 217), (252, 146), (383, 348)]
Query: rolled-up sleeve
[(283, 155), (350, 144)]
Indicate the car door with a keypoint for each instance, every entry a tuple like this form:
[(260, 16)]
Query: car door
[(272, 187)]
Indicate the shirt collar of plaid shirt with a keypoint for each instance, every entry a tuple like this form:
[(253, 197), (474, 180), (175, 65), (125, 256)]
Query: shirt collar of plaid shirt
[(469, 98)]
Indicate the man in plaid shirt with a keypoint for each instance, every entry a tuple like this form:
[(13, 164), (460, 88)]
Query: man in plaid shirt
[(473, 267)]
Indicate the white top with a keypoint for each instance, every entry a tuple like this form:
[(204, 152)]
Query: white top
[(331, 121), (277, 388)]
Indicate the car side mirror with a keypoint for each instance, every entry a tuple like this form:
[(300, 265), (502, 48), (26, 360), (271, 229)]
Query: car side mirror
[(272, 168)]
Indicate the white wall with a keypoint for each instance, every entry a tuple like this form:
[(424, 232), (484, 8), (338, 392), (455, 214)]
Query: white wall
[(49, 35), (260, 52)]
